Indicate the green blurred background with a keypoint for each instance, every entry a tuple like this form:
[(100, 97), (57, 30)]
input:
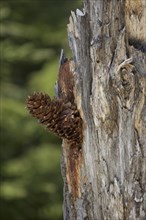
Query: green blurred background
[(32, 35)]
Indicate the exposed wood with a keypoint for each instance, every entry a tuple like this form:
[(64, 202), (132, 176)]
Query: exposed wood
[(107, 179)]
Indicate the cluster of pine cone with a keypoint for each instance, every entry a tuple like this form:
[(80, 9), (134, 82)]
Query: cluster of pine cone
[(61, 118)]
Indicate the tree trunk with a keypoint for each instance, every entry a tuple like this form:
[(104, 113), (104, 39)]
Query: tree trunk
[(106, 177)]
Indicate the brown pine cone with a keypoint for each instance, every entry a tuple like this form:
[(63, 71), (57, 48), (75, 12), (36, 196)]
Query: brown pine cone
[(59, 117)]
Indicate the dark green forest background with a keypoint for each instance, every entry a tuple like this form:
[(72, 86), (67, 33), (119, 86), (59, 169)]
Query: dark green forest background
[(32, 35)]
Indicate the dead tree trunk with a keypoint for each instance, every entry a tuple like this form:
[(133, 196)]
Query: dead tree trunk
[(106, 177)]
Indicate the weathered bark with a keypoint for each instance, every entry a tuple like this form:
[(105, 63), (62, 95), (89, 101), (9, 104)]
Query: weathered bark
[(106, 178)]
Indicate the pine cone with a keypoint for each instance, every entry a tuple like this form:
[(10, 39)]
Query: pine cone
[(59, 117)]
